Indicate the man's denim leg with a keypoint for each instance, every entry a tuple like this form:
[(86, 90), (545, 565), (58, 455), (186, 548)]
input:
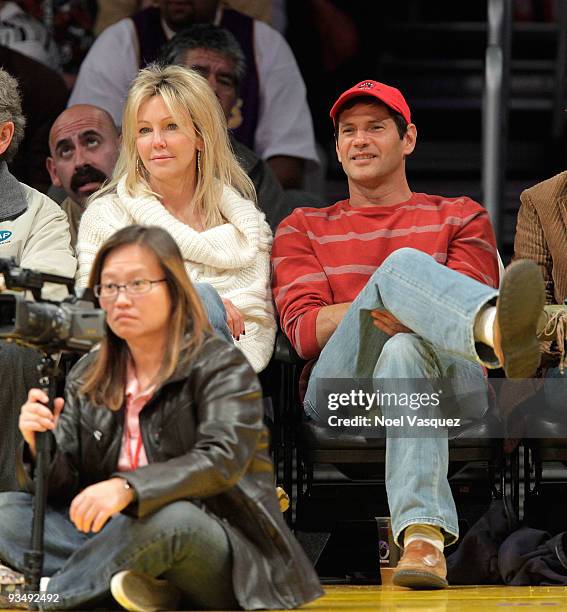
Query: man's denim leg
[(434, 301), (440, 306), (216, 312), (417, 465)]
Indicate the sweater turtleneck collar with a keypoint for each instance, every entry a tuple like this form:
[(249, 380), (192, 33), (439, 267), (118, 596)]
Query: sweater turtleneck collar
[(231, 245)]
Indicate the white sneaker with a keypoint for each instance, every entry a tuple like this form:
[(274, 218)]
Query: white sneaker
[(140, 593)]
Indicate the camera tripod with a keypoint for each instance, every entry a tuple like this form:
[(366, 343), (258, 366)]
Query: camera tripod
[(33, 558)]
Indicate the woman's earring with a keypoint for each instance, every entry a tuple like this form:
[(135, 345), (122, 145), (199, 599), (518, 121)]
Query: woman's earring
[(138, 168), (198, 161)]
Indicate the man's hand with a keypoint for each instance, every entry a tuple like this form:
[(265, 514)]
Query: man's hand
[(387, 322), (93, 506), (234, 319)]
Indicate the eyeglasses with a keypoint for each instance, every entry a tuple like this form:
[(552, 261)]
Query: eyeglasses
[(135, 287)]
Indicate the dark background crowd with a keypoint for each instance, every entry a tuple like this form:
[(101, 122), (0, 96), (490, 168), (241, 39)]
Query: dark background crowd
[(432, 51)]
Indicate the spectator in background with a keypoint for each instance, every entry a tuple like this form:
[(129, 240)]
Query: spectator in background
[(21, 32), (44, 96), (214, 53), (84, 145), (271, 117), (111, 11), (541, 235), (33, 230), (71, 22), (272, 12)]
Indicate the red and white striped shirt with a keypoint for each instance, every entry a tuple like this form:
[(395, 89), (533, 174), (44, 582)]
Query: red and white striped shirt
[(325, 256)]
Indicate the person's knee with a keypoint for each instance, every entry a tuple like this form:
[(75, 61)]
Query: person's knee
[(405, 346), (208, 294), (404, 257), (9, 499), (182, 514), (211, 300)]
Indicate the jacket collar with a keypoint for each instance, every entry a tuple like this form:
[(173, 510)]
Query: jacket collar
[(12, 201), (180, 372)]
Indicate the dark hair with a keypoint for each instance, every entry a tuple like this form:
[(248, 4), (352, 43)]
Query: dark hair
[(11, 110), (106, 378), (205, 36), (401, 123)]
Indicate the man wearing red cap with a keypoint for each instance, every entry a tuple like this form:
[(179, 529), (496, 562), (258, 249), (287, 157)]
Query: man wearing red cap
[(392, 285)]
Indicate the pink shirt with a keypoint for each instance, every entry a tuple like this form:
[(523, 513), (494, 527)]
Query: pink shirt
[(136, 399)]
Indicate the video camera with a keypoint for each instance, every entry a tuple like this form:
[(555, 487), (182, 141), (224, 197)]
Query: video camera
[(51, 328), (74, 324)]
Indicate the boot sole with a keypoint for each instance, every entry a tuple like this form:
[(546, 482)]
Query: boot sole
[(414, 579), (521, 301)]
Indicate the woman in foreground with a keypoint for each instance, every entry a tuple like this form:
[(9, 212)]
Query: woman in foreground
[(161, 489)]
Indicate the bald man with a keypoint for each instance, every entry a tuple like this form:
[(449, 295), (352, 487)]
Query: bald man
[(84, 144)]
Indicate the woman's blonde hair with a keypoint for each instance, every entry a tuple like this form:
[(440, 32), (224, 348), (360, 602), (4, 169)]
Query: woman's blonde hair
[(105, 380), (186, 94)]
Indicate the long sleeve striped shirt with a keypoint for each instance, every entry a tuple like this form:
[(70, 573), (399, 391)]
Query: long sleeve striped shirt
[(325, 256)]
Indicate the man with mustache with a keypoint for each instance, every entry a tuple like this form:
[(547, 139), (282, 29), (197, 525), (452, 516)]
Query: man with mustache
[(84, 144)]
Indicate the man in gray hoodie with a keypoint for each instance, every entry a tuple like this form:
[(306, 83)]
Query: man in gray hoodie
[(33, 230)]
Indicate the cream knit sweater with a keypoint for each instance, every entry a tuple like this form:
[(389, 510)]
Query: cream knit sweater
[(234, 257)]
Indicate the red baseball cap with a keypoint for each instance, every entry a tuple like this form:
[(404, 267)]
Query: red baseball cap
[(390, 96)]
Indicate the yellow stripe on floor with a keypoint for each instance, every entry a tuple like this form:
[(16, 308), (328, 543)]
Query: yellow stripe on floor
[(486, 598)]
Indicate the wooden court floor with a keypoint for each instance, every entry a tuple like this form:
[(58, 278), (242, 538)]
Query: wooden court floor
[(485, 598)]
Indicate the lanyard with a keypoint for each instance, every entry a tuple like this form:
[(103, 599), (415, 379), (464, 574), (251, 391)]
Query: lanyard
[(134, 461)]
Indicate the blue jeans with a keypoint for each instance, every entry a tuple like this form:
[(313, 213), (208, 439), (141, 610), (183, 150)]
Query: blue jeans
[(179, 542), (440, 306), (215, 310)]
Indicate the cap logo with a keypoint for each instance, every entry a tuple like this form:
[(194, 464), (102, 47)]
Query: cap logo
[(366, 85)]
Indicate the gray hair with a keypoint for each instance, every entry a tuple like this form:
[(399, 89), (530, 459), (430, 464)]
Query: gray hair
[(11, 110), (205, 36)]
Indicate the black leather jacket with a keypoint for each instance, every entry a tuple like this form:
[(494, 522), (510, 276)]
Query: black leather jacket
[(205, 441)]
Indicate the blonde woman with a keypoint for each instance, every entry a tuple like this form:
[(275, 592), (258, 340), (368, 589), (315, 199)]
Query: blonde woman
[(176, 170), (160, 489)]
